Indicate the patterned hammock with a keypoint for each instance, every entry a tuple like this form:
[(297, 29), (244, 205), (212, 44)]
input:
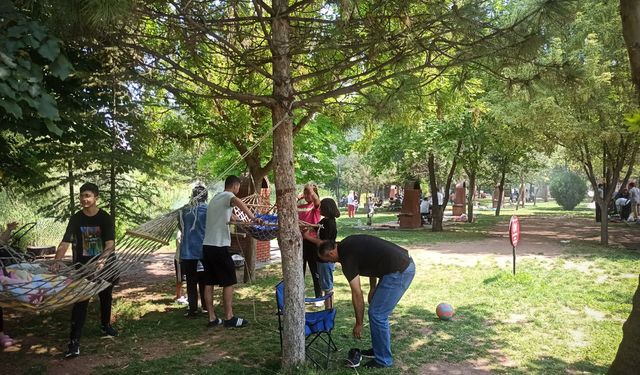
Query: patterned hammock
[(27, 284)]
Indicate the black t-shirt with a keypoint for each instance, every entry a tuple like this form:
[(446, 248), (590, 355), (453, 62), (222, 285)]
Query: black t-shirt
[(371, 256), (328, 231), (88, 234)]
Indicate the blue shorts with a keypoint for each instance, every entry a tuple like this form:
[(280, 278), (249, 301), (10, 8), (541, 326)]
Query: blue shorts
[(325, 270)]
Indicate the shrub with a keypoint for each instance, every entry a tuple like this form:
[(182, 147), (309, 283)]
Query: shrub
[(568, 189)]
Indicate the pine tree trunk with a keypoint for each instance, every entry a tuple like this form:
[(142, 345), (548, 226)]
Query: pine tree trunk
[(627, 360), (289, 239)]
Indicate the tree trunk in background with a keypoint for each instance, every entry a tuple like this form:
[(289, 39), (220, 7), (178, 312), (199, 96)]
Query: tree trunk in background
[(72, 194), (501, 191), (630, 15), (627, 360), (472, 189), (436, 209), (289, 239)]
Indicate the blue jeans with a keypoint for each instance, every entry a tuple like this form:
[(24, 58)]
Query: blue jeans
[(325, 271), (387, 295)]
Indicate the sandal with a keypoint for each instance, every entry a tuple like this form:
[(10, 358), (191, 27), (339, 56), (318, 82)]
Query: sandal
[(6, 341), (236, 322)]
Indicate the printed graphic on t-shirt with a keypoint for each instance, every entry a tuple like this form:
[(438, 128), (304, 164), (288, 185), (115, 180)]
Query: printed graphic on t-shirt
[(91, 241)]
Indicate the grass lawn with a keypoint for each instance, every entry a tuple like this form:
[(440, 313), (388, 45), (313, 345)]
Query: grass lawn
[(558, 314)]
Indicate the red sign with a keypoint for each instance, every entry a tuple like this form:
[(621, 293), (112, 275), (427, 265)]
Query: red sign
[(514, 231)]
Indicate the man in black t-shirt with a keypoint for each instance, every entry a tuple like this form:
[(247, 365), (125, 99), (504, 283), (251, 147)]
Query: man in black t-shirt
[(364, 255), (91, 233)]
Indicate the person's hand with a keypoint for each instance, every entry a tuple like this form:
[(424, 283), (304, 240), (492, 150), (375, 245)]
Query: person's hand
[(12, 226), (357, 331), (258, 220)]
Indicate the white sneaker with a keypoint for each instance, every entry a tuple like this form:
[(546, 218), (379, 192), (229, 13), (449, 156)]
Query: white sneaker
[(182, 301)]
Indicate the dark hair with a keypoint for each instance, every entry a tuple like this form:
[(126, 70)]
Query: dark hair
[(328, 208), (88, 186), (199, 193), (632, 184), (325, 247), (230, 181)]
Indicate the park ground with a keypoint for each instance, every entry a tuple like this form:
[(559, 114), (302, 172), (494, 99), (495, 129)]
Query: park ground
[(561, 314)]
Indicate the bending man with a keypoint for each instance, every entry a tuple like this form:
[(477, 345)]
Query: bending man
[(364, 255)]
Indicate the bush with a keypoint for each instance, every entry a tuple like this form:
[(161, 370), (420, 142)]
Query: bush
[(568, 189)]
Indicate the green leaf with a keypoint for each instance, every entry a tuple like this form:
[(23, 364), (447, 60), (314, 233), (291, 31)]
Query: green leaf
[(50, 49), (12, 108), (47, 107), (17, 31), (61, 67), (6, 91), (38, 31), (8, 61), (53, 127)]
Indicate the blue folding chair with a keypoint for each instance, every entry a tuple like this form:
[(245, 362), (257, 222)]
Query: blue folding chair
[(317, 325)]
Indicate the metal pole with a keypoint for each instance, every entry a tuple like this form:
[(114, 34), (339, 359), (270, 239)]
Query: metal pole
[(514, 260)]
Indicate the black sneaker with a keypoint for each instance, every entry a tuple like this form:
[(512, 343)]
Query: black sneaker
[(354, 358), (236, 322), (367, 353), (108, 330), (373, 364), (214, 323), (73, 351)]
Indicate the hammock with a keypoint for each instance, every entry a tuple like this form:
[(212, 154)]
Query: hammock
[(268, 229), (26, 284)]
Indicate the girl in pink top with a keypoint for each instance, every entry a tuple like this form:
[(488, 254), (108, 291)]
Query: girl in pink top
[(309, 211)]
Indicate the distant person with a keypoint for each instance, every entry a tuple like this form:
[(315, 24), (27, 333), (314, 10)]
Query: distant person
[(373, 257), (218, 266), (92, 233), (425, 207), (351, 206), (309, 211), (193, 219)]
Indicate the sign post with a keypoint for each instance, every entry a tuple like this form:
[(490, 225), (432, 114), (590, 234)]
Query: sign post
[(514, 237)]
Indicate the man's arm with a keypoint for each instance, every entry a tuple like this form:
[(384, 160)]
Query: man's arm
[(358, 306), (235, 201)]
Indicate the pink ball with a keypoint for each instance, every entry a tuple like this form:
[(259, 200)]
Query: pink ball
[(444, 311)]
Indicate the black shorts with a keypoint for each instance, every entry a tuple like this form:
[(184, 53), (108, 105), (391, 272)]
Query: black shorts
[(219, 268), (180, 274)]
